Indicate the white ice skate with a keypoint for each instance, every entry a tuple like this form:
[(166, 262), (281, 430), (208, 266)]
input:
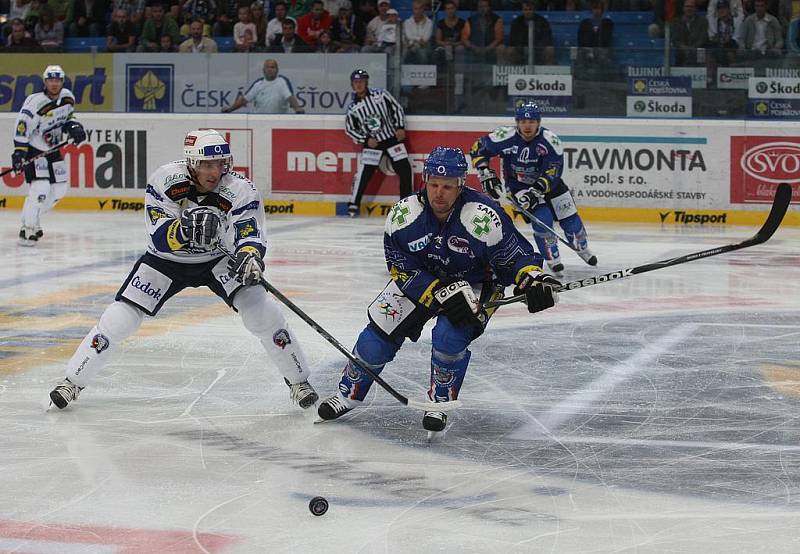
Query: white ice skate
[(28, 236), (302, 394), (64, 393)]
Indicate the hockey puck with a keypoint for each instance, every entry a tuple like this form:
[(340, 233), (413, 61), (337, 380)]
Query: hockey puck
[(318, 506)]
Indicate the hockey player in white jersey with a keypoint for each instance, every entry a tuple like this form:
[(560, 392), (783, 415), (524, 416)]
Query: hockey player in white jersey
[(191, 206), (42, 122)]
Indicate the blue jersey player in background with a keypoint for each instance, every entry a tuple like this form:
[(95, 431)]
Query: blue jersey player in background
[(533, 162), (448, 249)]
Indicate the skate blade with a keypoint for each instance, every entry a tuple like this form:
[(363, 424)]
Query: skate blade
[(27, 243)]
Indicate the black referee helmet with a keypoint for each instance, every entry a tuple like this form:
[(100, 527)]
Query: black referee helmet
[(359, 74)]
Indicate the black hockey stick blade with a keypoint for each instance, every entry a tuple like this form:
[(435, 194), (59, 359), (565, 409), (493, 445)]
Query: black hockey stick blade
[(783, 196), (425, 406)]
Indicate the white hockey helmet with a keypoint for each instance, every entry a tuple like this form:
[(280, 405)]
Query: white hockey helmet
[(206, 144), (53, 72)]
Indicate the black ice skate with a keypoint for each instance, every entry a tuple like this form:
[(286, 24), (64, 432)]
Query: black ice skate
[(64, 393), (333, 407), (587, 256), (302, 394), (28, 236)]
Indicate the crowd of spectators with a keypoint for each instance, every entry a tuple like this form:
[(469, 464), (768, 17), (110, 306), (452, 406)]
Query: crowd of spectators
[(729, 29)]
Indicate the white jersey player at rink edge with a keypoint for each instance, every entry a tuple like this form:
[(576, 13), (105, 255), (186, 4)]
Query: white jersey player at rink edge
[(191, 206), (44, 118)]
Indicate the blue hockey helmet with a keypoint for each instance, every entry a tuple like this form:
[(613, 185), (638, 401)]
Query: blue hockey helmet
[(358, 75), (446, 162), (528, 110)]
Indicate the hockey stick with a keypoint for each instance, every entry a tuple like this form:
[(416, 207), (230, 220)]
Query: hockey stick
[(36, 157), (536, 220), (426, 406), (783, 196)]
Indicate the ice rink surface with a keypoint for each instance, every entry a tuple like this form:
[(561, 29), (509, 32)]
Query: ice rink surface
[(654, 414)]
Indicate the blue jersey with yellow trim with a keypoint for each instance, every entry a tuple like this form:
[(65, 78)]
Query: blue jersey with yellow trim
[(170, 190), (477, 238), (523, 161)]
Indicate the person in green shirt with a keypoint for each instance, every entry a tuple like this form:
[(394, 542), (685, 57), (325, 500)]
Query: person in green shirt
[(158, 24)]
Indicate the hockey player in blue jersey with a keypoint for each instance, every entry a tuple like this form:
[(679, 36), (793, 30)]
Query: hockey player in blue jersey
[(533, 162), (448, 249)]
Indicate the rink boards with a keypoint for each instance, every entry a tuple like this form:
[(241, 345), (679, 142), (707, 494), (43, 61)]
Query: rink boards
[(655, 171)]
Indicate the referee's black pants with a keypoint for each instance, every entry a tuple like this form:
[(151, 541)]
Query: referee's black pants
[(365, 172)]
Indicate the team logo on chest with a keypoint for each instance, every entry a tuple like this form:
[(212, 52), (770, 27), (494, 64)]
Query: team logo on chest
[(281, 338)]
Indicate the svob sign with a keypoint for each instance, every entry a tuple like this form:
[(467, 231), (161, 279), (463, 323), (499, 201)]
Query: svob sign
[(758, 164)]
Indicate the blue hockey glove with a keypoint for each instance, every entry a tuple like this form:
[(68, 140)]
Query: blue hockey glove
[(75, 131), (459, 303), (18, 160), (540, 290), (199, 226), (490, 183), (248, 267)]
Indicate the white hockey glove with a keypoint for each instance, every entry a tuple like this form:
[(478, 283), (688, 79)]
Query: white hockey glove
[(248, 267), (199, 226), (540, 290), (459, 303), (490, 183)]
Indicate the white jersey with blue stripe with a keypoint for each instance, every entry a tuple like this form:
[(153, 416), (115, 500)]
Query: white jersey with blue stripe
[(41, 118)]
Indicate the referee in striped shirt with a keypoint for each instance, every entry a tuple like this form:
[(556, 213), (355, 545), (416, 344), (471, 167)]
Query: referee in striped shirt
[(376, 121)]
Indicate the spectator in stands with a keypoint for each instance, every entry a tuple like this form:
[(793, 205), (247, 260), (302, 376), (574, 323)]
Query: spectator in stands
[(275, 25), (417, 35), (271, 94), (298, 8), (288, 42), (347, 31), (365, 11), (135, 10), (244, 32), (485, 34), (325, 43), (452, 35), (261, 21), (49, 32), (19, 41), (722, 43), (121, 35), (595, 35), (165, 44), (204, 10), (17, 9), (736, 11), (87, 18), (197, 43), (313, 23), (762, 36), (376, 23), (518, 39), (689, 32), (333, 6), (60, 8), (226, 17), (159, 23), (388, 31)]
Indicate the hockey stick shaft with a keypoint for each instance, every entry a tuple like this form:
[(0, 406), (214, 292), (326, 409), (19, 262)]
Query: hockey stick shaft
[(36, 157), (427, 406), (538, 221), (783, 196)]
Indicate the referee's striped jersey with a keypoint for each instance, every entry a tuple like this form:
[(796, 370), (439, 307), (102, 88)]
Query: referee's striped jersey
[(377, 115)]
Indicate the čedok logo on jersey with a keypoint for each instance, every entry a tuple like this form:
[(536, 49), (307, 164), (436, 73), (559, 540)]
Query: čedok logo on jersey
[(148, 87)]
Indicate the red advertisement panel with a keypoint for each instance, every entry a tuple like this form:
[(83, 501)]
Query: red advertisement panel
[(324, 161), (759, 164)]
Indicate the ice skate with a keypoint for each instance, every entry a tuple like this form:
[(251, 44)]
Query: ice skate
[(302, 394), (334, 407), (587, 256), (28, 236), (555, 265), (64, 393), (434, 423)]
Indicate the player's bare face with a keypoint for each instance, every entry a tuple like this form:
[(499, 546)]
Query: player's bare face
[(207, 174), (360, 86), (442, 194), (528, 128), (53, 87)]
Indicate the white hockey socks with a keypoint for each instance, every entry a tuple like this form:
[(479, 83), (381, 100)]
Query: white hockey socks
[(119, 321), (262, 316)]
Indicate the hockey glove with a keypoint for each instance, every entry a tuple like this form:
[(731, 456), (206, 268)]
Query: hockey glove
[(490, 183), (248, 267), (542, 186), (539, 290), (458, 302), (526, 198), (18, 160), (199, 226), (75, 131)]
